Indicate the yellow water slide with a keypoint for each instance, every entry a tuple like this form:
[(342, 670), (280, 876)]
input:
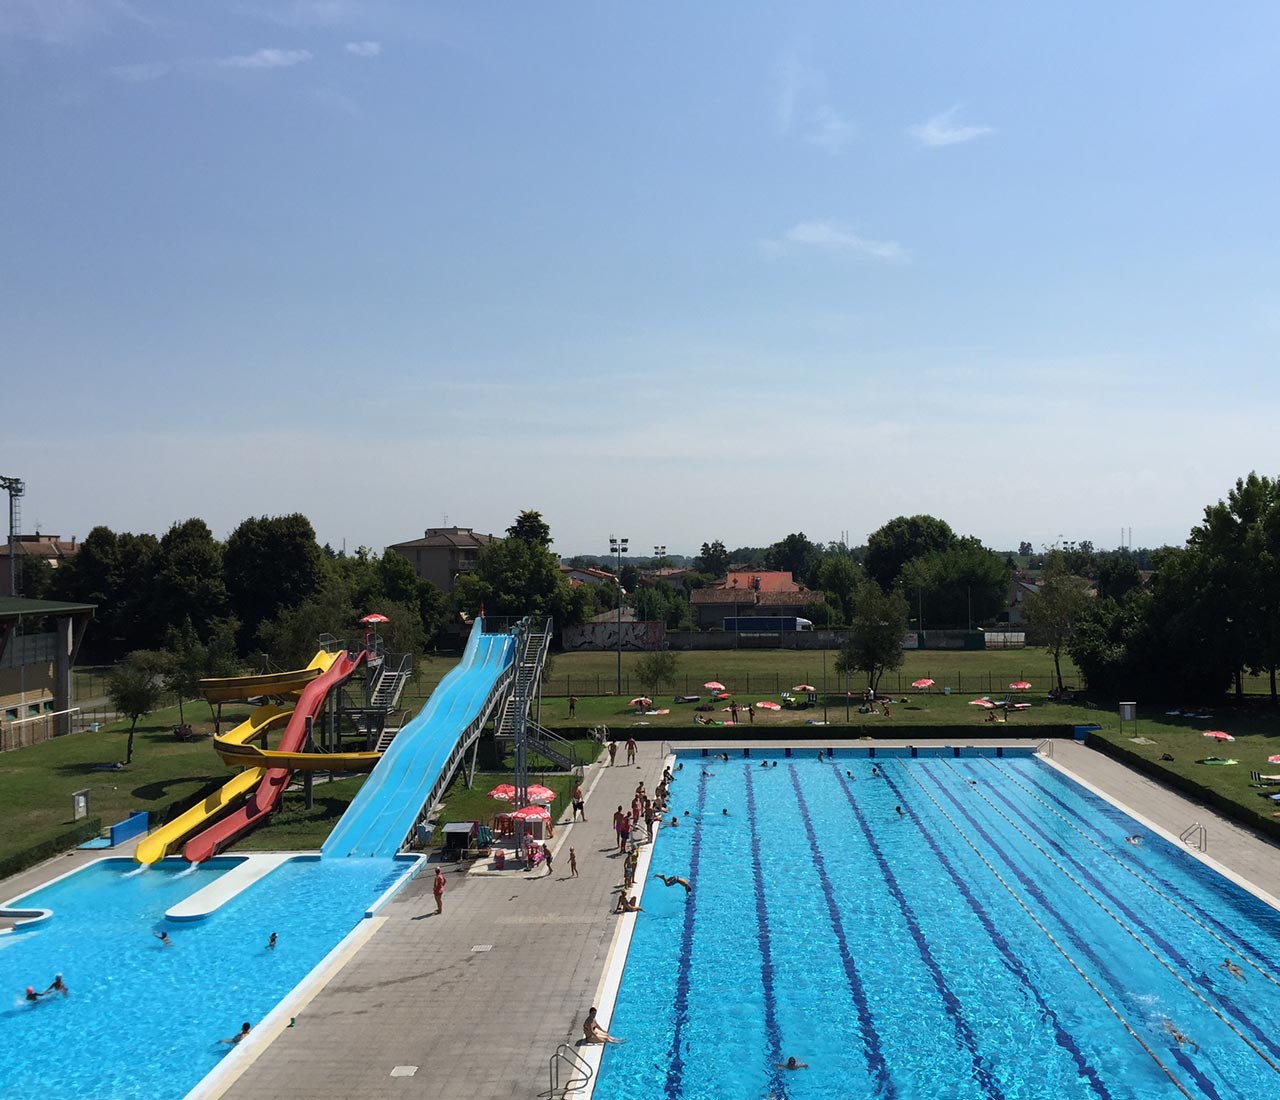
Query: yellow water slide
[(250, 756), (165, 839), (237, 689)]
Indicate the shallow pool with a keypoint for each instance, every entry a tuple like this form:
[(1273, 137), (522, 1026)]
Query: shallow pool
[(943, 927), (141, 1019)]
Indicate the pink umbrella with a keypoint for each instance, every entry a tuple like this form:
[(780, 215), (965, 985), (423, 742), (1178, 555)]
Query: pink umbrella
[(981, 703), (641, 701), (769, 705), (1273, 759), (922, 683), (540, 794), (532, 813), (1218, 735), (804, 687), (1020, 685), (376, 617), (503, 791), (714, 685)]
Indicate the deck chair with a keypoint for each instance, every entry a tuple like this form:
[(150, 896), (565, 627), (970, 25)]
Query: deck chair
[(1260, 780)]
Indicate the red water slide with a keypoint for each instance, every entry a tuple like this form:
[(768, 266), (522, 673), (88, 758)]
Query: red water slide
[(266, 796)]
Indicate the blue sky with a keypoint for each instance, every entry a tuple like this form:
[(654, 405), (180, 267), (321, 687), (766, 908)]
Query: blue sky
[(679, 272)]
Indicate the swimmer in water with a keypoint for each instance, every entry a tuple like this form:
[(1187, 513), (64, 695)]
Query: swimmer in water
[(271, 943), (163, 937), (1232, 969), (239, 1037), (1135, 840), (791, 1063), (725, 812), (899, 809), (58, 986), (874, 770), (671, 880), (1178, 1037), (32, 995)]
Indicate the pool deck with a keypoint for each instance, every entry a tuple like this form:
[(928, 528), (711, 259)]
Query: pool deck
[(481, 1024)]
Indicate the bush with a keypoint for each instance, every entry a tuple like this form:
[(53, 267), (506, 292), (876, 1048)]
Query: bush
[(46, 849)]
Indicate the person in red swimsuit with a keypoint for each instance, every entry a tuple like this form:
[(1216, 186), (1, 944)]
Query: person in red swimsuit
[(437, 888)]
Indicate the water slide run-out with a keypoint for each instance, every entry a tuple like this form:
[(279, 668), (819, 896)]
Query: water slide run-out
[(165, 839), (384, 811), (274, 779)]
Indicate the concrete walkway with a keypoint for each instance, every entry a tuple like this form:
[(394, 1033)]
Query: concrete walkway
[(478, 998)]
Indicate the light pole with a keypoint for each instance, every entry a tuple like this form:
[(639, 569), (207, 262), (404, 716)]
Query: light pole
[(618, 547), (659, 552)]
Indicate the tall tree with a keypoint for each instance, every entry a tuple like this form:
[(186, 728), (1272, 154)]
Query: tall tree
[(532, 528), (135, 688), (796, 555), (188, 580), (840, 578), (655, 669), (115, 572), (899, 541), (961, 585), (713, 558), (874, 643), (516, 577), (270, 563), (1054, 613)]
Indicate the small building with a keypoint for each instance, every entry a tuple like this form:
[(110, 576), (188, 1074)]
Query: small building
[(39, 641), (51, 548), (587, 575), (443, 553)]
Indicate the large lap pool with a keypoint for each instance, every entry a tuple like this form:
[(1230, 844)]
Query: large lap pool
[(998, 938), (141, 1019)]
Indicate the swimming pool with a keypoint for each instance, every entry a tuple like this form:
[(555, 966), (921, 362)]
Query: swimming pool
[(997, 938), (141, 1019)]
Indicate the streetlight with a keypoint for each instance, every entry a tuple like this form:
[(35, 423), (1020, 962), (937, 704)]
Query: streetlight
[(659, 551), (618, 547)]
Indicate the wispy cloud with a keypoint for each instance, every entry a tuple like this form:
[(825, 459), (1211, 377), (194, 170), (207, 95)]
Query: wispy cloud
[(267, 58), (61, 22), (141, 72), (364, 49), (942, 129), (801, 108), (836, 237)]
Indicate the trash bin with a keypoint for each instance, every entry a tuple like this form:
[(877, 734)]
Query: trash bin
[(500, 859)]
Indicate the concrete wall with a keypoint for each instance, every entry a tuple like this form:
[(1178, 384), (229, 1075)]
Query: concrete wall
[(604, 636)]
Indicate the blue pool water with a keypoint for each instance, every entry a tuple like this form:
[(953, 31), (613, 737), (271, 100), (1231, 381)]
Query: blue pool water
[(141, 1019), (998, 939)]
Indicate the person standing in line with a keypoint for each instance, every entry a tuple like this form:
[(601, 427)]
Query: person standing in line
[(613, 752), (631, 750), (617, 828), (437, 888)]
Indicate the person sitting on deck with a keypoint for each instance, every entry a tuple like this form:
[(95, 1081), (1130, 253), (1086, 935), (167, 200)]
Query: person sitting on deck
[(592, 1032)]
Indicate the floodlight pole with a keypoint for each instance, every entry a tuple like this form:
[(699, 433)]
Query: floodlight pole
[(618, 547)]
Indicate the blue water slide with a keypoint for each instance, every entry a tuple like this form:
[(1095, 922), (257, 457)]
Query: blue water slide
[(387, 806)]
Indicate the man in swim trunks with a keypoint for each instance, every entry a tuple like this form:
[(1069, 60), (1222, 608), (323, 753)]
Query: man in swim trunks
[(437, 888), (671, 880), (163, 937), (1178, 1037), (271, 942), (613, 752), (627, 905), (632, 748), (1232, 969), (579, 803), (624, 832), (617, 828)]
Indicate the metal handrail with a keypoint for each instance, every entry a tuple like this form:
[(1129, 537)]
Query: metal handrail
[(1195, 835), (1045, 748), (579, 1072)]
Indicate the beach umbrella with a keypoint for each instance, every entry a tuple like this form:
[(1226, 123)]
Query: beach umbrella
[(641, 701), (804, 687), (505, 792), (376, 617), (532, 813), (714, 685), (1273, 759), (1020, 685), (767, 704), (926, 683), (541, 795), (981, 703)]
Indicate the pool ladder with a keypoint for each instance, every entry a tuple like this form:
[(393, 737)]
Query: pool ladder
[(568, 1061), (1195, 835)]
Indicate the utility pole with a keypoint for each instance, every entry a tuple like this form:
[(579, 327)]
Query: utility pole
[(15, 487), (618, 547)]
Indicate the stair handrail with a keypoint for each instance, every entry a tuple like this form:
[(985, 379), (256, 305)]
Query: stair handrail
[(579, 1072), (1195, 835)]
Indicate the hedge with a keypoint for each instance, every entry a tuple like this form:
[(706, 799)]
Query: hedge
[(46, 849)]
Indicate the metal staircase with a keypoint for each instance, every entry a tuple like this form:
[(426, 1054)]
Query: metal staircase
[(385, 695), (544, 742)]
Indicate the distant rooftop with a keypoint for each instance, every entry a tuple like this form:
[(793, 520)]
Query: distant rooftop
[(448, 536), (13, 606)]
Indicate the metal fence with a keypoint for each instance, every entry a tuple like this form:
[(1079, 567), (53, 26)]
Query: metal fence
[(772, 683)]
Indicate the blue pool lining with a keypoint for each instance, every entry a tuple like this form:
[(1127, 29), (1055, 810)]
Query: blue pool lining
[(1015, 964), (872, 1047)]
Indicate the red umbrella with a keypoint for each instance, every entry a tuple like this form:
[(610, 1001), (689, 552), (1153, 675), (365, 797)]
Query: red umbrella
[(922, 683), (1273, 759), (541, 795), (503, 791), (532, 813), (768, 705), (804, 687), (1219, 735), (641, 701), (714, 685), (981, 703), (1020, 685), (376, 617)]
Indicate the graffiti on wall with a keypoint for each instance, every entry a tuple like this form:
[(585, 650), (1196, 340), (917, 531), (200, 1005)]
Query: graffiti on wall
[(604, 636)]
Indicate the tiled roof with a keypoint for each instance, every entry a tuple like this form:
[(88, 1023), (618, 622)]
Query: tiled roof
[(745, 597), (448, 536), (761, 580)]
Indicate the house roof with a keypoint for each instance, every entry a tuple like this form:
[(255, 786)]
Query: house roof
[(745, 597), (41, 546), (13, 606), (761, 580), (587, 571), (461, 537)]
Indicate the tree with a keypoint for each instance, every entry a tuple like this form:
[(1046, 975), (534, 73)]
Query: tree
[(874, 644), (840, 578), (188, 577), (36, 582), (270, 563), (532, 528), (517, 577), (115, 572), (1118, 574), (796, 555), (1025, 549), (899, 541), (713, 559), (961, 585), (630, 578), (1054, 613), (657, 668), (135, 689)]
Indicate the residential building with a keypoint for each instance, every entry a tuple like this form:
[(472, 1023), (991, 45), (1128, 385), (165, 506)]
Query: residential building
[(750, 592), (443, 553), (51, 548), (586, 575)]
